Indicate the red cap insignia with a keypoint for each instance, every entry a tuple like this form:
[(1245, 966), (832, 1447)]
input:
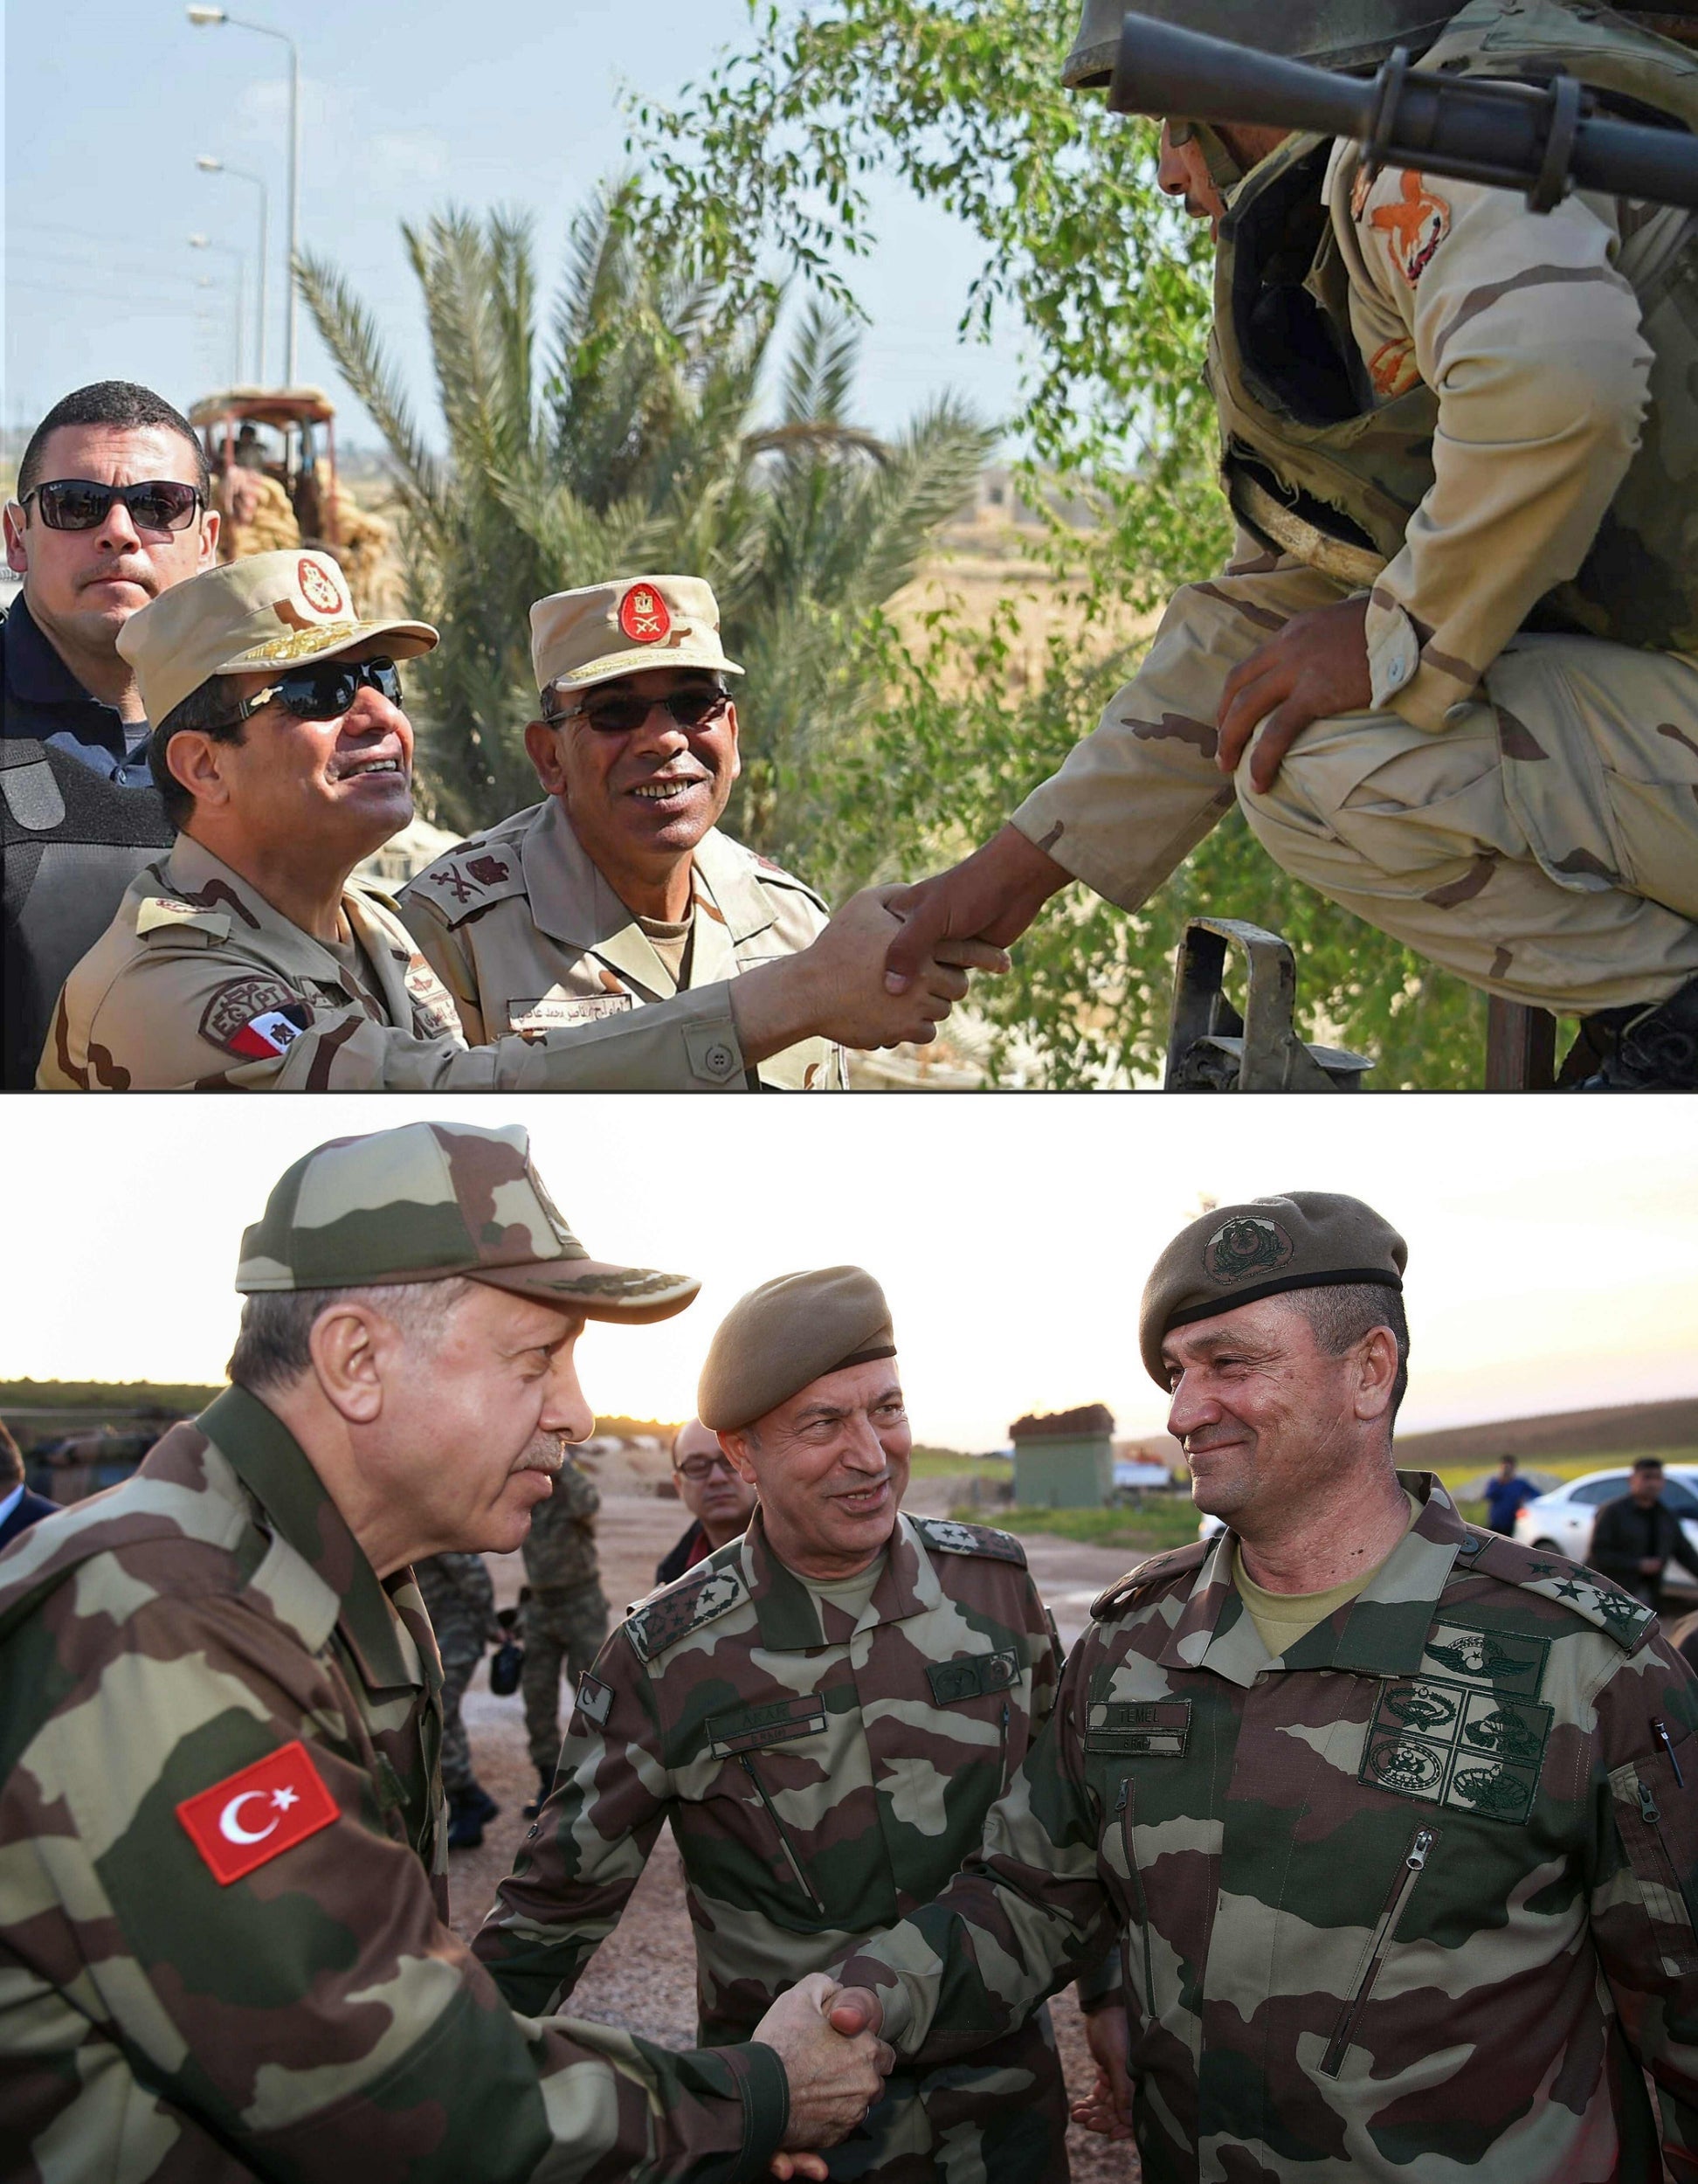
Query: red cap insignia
[(643, 615), (318, 587), (250, 1818)]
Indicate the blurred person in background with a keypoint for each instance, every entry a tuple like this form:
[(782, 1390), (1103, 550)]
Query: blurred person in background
[(1637, 1536), (1506, 1496), (19, 1506), (719, 1501)]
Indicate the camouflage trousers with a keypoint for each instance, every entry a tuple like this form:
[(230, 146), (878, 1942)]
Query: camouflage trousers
[(562, 1627), (997, 2117), (461, 1647), (1544, 845)]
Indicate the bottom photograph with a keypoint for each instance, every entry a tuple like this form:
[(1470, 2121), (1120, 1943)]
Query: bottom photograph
[(582, 1641)]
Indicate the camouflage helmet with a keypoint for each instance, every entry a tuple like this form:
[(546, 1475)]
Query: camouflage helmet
[(1343, 34)]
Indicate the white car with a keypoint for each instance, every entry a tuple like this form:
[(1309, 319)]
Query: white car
[(1564, 1519)]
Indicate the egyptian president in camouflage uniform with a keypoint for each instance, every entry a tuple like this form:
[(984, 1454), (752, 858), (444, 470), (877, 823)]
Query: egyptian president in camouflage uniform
[(1400, 1819), (222, 1884), (618, 889), (824, 1710), (1449, 671)]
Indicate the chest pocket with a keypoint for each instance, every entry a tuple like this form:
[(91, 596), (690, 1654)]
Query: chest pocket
[(1139, 1729), (755, 1728)]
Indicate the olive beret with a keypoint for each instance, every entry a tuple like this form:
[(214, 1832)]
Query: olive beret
[(1307, 1239), (776, 1340)]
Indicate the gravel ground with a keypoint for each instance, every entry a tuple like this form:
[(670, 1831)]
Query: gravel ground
[(643, 1976)]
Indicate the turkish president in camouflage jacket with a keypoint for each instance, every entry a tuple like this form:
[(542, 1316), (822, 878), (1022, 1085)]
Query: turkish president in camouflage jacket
[(820, 1780), (1414, 1901), (206, 1977)]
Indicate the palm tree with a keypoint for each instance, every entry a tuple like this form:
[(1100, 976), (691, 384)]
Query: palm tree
[(624, 439)]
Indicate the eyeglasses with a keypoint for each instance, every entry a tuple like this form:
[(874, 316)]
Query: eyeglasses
[(325, 694), (80, 504), (623, 711), (696, 1468)]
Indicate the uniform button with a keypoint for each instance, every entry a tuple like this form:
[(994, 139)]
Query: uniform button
[(719, 1060)]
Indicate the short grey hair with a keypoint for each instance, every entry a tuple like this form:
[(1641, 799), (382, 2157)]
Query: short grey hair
[(273, 1346), (1341, 1317)]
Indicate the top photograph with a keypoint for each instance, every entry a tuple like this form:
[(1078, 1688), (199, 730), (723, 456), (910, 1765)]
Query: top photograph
[(862, 545)]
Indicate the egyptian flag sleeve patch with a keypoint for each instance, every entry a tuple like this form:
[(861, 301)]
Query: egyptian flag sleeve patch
[(255, 1018), (248, 1818)]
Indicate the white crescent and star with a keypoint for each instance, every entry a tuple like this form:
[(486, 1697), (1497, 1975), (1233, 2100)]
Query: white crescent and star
[(229, 1824)]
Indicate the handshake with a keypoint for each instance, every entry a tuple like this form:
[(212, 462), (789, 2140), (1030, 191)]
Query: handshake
[(827, 2038)]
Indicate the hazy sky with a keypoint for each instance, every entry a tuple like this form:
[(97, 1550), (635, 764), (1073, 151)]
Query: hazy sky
[(403, 112), (1553, 1243)]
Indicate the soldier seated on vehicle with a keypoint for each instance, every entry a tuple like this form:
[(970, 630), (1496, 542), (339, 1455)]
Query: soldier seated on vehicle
[(1398, 1820), (1449, 672), (825, 1709), (249, 957), (619, 888), (227, 1950)]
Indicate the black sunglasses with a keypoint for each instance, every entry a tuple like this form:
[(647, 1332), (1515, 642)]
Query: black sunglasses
[(324, 694), (622, 711), (80, 504)]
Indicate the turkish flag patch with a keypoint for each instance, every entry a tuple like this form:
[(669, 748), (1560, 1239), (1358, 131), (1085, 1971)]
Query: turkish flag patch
[(248, 1818)]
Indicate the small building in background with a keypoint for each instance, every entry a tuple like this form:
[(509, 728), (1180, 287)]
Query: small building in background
[(1066, 1459)]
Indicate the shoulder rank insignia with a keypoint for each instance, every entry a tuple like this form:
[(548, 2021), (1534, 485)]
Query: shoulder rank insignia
[(1159, 1568), (946, 1537), (1582, 1591), (469, 879), (169, 913), (702, 1596)]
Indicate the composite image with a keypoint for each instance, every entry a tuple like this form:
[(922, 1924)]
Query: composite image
[(1053, 565)]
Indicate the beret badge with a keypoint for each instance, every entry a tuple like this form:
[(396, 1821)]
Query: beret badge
[(1244, 1246)]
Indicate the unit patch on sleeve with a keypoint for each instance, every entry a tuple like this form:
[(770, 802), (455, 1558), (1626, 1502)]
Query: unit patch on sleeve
[(1446, 1744), (253, 1817), (255, 1017), (595, 1701)]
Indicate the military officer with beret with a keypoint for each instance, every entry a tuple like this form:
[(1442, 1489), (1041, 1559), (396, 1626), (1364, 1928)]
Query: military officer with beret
[(249, 957), (222, 1873), (824, 1709), (1399, 1818), (618, 889)]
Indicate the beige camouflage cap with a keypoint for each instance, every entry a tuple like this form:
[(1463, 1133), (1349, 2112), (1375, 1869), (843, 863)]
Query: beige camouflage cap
[(271, 610), (1307, 1239), (579, 638), (782, 1336), (433, 1200)]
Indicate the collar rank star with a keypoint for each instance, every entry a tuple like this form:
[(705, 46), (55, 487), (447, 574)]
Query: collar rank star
[(248, 1818)]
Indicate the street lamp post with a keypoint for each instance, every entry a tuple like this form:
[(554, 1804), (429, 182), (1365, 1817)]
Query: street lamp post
[(208, 165), (206, 242), (207, 16)]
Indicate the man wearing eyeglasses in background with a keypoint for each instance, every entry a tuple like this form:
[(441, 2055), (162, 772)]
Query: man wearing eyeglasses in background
[(247, 958), (110, 511), (618, 889), (719, 1501)]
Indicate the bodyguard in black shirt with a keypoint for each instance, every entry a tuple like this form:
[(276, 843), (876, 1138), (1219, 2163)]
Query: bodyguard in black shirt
[(111, 510), (1635, 1537)]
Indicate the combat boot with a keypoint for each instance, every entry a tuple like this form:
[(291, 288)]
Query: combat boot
[(468, 1810), (1653, 1049), (544, 1787)]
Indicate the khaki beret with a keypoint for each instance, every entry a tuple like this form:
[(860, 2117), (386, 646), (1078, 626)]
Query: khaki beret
[(579, 638), (430, 1200), (270, 611), (785, 1335), (1307, 1239)]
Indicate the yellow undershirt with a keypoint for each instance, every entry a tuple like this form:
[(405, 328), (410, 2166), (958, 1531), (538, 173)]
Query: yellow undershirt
[(1282, 1618)]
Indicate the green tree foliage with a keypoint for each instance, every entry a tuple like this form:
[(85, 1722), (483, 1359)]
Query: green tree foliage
[(768, 161), (624, 437)]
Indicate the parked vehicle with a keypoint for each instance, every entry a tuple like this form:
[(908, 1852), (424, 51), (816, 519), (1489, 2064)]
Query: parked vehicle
[(1563, 1520)]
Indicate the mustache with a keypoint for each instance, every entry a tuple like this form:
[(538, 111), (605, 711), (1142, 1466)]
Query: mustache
[(122, 570), (546, 1453)]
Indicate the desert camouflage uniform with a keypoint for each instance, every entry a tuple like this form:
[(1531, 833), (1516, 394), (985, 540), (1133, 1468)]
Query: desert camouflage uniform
[(564, 1618), (818, 1780), (527, 935), (1522, 808), (316, 2019), (460, 1598), (166, 1000), (1413, 1902)]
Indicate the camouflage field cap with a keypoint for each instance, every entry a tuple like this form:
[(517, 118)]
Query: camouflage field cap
[(781, 1337), (432, 1199), (1307, 1239), (579, 638), (270, 611), (1343, 34)]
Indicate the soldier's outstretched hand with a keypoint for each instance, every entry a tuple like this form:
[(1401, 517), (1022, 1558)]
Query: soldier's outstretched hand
[(992, 895), (1107, 2108), (858, 1004), (1316, 668), (836, 2076)]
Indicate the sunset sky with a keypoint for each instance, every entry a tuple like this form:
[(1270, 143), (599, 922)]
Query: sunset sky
[(1553, 1243)]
